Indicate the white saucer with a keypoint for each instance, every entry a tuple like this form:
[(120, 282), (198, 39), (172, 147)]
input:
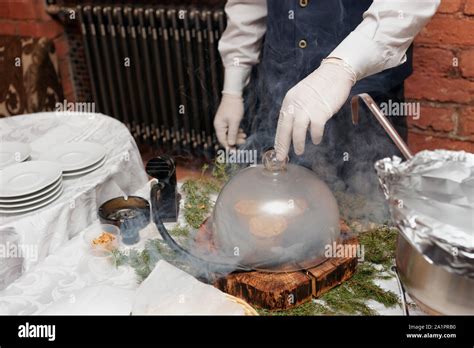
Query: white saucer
[(75, 156), (31, 207), (85, 170), (33, 201), (13, 152), (27, 177), (37, 194)]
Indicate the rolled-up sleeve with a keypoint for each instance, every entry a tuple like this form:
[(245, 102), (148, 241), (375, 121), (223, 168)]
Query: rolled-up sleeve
[(381, 40), (240, 44)]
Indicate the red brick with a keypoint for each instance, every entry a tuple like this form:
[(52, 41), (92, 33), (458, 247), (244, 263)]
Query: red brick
[(448, 30), (466, 63), (450, 6), (469, 7), (466, 122), (41, 11), (4, 11), (418, 142), (433, 61), (22, 10), (8, 27), (435, 88), (437, 119), (50, 29)]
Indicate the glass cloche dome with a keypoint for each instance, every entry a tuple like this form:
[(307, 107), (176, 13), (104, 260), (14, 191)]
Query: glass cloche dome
[(275, 217)]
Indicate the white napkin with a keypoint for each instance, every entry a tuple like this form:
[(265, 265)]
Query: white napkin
[(93, 300), (170, 291)]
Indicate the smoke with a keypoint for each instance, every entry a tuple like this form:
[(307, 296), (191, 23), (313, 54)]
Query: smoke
[(195, 254), (205, 265), (344, 159)]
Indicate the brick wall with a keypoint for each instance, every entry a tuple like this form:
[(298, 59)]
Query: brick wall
[(443, 80), (29, 18)]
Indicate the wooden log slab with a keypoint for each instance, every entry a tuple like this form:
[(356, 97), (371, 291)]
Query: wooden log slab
[(268, 290), (276, 291)]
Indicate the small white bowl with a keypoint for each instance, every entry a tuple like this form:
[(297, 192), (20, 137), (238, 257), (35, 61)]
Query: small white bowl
[(106, 249)]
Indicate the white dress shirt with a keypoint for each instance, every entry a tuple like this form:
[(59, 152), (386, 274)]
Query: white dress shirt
[(379, 42)]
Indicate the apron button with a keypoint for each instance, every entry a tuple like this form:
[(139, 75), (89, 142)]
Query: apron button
[(302, 44), (304, 3)]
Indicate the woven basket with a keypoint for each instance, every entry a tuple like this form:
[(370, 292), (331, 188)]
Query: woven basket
[(248, 310)]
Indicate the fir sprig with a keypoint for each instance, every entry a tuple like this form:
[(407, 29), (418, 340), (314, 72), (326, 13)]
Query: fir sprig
[(198, 192)]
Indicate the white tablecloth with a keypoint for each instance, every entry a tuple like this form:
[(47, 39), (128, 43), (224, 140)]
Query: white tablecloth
[(67, 271), (35, 235)]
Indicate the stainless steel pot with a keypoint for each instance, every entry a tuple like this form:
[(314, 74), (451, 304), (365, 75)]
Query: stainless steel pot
[(434, 252), (432, 287)]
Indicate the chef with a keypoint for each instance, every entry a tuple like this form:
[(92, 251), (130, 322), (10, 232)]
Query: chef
[(292, 65)]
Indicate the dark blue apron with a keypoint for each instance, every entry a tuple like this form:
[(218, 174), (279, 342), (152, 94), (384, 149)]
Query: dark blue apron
[(286, 60)]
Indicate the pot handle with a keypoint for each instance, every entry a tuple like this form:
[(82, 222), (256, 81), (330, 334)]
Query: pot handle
[(184, 254), (387, 126)]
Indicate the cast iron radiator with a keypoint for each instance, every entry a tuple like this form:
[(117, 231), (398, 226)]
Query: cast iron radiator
[(157, 70)]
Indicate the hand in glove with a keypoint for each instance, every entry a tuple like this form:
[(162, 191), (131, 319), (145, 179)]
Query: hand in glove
[(311, 103), (227, 121)]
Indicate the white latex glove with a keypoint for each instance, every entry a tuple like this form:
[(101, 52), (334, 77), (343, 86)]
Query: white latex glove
[(227, 121), (311, 103)]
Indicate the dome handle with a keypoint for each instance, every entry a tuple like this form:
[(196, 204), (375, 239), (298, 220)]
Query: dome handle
[(271, 163)]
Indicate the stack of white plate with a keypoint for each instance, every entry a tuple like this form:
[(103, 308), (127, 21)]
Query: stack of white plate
[(13, 152), (76, 158), (28, 186)]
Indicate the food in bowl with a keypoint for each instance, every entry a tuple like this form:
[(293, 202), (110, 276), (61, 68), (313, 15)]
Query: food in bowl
[(103, 238), (105, 241)]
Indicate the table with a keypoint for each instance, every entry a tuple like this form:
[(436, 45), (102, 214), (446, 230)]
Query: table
[(70, 269), (37, 234), (63, 274)]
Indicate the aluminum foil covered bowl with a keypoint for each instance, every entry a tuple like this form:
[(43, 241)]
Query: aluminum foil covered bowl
[(275, 217), (431, 200)]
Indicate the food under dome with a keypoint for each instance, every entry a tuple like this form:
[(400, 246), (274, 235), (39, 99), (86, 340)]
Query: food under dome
[(275, 217)]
